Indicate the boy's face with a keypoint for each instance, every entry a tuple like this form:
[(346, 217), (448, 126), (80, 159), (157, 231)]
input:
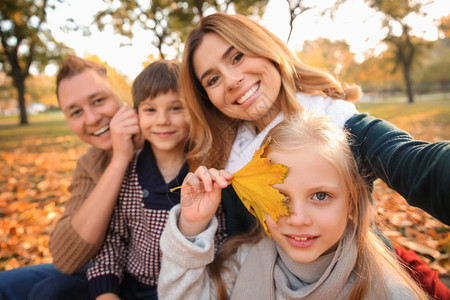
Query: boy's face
[(89, 104), (318, 202), (163, 122)]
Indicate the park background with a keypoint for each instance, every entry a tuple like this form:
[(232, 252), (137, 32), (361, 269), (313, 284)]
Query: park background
[(398, 51)]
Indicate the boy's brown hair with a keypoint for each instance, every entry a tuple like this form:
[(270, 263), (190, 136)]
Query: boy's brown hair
[(157, 78), (74, 65)]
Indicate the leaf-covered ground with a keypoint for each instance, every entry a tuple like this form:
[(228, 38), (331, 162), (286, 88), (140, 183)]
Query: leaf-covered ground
[(36, 162)]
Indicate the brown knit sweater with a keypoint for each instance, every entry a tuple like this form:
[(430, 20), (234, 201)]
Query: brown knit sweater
[(69, 251)]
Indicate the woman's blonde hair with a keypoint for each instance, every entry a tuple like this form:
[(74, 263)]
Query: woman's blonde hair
[(214, 132), (374, 258)]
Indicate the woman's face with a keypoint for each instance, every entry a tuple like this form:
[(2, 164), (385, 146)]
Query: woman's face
[(241, 86)]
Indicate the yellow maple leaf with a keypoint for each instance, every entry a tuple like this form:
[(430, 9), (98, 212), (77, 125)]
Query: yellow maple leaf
[(254, 186)]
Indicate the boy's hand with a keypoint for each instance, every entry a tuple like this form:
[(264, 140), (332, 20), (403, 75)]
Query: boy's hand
[(124, 128), (200, 199)]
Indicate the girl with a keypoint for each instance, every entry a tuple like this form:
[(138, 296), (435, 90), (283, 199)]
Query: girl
[(324, 249)]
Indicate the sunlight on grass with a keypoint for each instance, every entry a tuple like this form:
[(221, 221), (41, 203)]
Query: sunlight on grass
[(43, 130), (422, 116)]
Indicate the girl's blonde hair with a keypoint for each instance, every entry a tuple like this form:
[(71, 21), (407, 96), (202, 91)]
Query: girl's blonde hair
[(214, 132), (374, 258)]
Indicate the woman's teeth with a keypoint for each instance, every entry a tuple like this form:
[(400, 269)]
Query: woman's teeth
[(101, 131), (248, 94)]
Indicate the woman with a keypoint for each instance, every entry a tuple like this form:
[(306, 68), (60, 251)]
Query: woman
[(240, 80)]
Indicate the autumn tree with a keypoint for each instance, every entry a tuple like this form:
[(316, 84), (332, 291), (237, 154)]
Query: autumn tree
[(434, 69), (119, 82), (42, 87), (372, 76), (25, 41), (444, 26), (169, 21), (399, 35), (332, 57)]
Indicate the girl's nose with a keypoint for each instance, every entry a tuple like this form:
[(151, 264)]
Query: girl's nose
[(300, 215)]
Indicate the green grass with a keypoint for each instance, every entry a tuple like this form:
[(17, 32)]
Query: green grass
[(429, 119), (43, 130), (389, 111)]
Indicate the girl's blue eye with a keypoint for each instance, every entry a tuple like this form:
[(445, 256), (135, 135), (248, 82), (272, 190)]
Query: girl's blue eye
[(320, 196)]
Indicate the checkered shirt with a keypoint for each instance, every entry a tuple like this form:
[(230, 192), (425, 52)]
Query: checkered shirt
[(132, 242)]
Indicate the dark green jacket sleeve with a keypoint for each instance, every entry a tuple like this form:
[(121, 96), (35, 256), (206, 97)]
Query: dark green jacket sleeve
[(417, 170)]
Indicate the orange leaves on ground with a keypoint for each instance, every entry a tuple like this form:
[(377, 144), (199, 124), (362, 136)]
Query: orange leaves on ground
[(253, 184), (412, 228), (33, 191)]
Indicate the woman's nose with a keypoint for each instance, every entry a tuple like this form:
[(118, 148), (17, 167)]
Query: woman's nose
[(234, 80)]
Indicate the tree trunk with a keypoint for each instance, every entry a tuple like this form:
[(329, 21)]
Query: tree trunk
[(408, 83), (20, 86)]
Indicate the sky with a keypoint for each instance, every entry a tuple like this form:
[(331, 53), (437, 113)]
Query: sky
[(355, 23)]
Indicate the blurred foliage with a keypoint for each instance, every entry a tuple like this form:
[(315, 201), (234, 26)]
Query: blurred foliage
[(120, 83), (407, 48), (168, 21), (332, 57), (25, 40)]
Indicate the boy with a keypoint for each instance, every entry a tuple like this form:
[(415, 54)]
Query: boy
[(128, 262)]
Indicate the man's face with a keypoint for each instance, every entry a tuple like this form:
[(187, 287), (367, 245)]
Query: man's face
[(89, 104)]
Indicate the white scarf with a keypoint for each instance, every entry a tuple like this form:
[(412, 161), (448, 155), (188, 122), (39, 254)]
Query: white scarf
[(269, 271)]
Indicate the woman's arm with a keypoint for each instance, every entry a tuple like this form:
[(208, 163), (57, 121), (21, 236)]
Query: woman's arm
[(95, 186), (417, 170)]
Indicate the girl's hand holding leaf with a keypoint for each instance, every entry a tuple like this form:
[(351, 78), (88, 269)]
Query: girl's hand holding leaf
[(200, 197)]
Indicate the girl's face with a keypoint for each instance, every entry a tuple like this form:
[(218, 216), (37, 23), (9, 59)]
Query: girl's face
[(241, 86), (318, 202), (164, 123)]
